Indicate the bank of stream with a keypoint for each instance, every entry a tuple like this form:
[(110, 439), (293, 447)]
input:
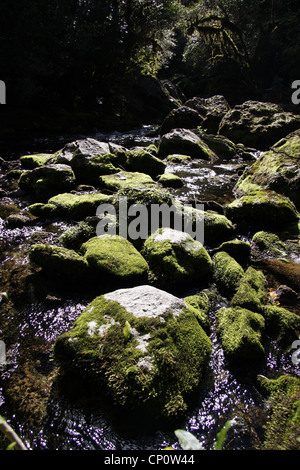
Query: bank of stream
[(29, 397)]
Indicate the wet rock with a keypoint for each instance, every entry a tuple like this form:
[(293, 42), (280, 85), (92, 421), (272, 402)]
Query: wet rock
[(237, 249), (186, 142), (143, 344), (252, 291), (183, 117), (28, 162), (88, 170), (258, 124), (212, 109), (268, 245), (277, 169), (19, 220), (87, 148), (281, 324), (46, 181), (286, 295), (176, 258), (219, 144)]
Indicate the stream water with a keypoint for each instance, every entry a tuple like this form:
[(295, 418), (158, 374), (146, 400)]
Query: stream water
[(33, 405)]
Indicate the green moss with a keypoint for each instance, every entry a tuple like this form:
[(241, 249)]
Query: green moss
[(169, 180), (281, 324), (252, 291), (175, 257), (126, 179), (75, 236), (72, 206), (178, 158), (200, 305), (240, 333), (28, 162), (144, 162), (227, 272), (7, 208), (116, 257), (48, 180), (282, 427), (237, 249), (157, 376), (269, 242)]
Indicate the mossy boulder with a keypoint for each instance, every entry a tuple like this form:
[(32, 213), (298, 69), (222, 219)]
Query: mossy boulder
[(281, 431), (200, 305), (268, 244), (212, 109), (144, 162), (176, 258), (88, 170), (28, 162), (186, 142), (262, 210), (76, 235), (281, 324), (116, 258), (252, 291), (169, 180), (87, 148), (240, 332), (277, 169), (142, 346), (227, 272), (48, 180), (219, 144), (75, 206), (183, 117), (258, 124), (178, 158), (58, 261), (126, 179)]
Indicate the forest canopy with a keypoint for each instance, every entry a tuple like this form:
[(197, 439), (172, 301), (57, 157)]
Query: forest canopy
[(85, 55)]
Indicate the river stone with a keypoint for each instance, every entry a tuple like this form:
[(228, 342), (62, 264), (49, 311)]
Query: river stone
[(48, 180), (278, 169), (262, 210), (176, 258), (144, 162), (126, 179), (144, 345), (212, 109), (258, 124), (186, 142), (87, 147)]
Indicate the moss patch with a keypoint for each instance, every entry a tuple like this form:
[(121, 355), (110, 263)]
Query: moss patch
[(227, 272)]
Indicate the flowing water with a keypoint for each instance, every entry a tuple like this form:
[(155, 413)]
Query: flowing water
[(29, 398)]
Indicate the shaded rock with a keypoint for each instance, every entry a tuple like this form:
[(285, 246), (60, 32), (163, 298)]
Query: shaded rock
[(186, 142), (183, 117), (88, 170), (251, 292), (277, 169), (143, 345), (258, 124), (219, 144), (176, 258), (46, 181), (28, 162), (212, 109), (87, 148), (281, 324), (237, 249), (268, 244)]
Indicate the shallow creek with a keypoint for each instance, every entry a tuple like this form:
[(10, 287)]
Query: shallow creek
[(29, 398)]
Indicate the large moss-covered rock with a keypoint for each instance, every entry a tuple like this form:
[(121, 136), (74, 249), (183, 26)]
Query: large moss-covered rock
[(240, 332), (176, 258), (75, 206), (28, 162), (262, 210), (88, 170), (219, 144), (48, 180), (227, 272), (144, 345), (268, 245), (169, 180), (186, 142), (144, 162), (87, 148), (278, 169), (239, 250), (258, 124)]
